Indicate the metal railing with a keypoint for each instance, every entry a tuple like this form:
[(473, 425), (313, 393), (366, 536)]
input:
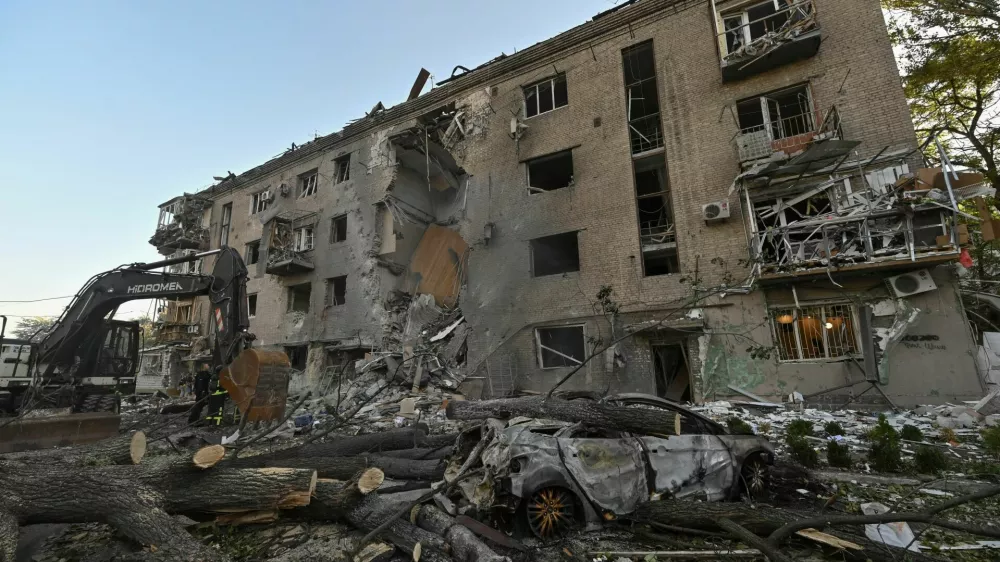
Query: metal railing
[(646, 133), (815, 332), (755, 37), (659, 232), (757, 141)]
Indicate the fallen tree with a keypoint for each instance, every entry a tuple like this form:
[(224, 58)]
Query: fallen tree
[(342, 468), (639, 420), (123, 449), (465, 545)]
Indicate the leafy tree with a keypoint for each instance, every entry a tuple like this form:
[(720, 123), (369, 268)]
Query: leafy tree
[(32, 325), (950, 55)]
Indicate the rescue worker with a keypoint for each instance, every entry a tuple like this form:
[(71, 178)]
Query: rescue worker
[(216, 400), (202, 382)]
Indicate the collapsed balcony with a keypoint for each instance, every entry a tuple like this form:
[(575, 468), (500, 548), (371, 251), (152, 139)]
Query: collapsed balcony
[(181, 225), (766, 35), (820, 211), (177, 323), (290, 239), (422, 150)]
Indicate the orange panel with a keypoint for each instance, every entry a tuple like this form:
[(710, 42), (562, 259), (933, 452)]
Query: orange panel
[(438, 265), (262, 376)]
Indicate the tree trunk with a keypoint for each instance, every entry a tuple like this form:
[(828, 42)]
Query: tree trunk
[(334, 499), (123, 449), (63, 493), (209, 456), (423, 453), (373, 442), (342, 468), (226, 490), (373, 510), (638, 420), (465, 545), (761, 520)]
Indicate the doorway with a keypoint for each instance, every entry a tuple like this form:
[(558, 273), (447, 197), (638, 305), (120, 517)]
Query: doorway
[(670, 372)]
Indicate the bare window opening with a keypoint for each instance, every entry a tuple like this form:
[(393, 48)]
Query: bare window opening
[(304, 240), (777, 115), (552, 255), (297, 355), (342, 168), (550, 172), (309, 183), (545, 96), (562, 346), (815, 332), (259, 202), (671, 373), (227, 219), (252, 304), (338, 229), (660, 262), (253, 252), (336, 291), (298, 297), (642, 98)]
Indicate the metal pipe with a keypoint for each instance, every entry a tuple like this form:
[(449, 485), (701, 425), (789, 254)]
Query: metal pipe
[(173, 261), (946, 164)]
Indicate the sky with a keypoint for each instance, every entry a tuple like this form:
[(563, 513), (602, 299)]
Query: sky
[(109, 108)]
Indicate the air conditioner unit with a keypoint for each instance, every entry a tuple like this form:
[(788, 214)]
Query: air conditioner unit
[(715, 211), (912, 283)]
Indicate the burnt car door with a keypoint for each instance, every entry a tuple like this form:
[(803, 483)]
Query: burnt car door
[(608, 467), (693, 462)]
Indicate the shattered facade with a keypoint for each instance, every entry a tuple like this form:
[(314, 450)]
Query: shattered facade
[(741, 189)]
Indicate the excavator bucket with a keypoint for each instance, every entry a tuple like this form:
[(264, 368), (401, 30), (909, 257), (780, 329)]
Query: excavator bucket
[(257, 381)]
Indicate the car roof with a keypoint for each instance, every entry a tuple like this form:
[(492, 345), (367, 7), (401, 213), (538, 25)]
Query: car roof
[(652, 400)]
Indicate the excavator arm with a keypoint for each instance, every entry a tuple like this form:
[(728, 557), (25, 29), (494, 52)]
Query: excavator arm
[(71, 348)]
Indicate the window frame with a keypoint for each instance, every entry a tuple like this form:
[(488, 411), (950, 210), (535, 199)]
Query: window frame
[(538, 344), (334, 239), (342, 169), (260, 201), (246, 255), (308, 183), (300, 237), (531, 255), (769, 124), (551, 81), (775, 310), (252, 312), (330, 297), (291, 298), (533, 190), (743, 12), (225, 223)]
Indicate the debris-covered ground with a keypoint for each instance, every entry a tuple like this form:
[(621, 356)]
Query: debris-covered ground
[(438, 463)]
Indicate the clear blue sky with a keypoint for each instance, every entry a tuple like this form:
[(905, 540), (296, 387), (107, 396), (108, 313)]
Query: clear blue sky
[(109, 108)]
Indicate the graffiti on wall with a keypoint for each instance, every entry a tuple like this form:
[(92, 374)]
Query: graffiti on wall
[(926, 341)]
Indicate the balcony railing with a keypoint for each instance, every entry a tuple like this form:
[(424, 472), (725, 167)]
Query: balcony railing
[(655, 234), (750, 46), (788, 134), (646, 133), (285, 254)]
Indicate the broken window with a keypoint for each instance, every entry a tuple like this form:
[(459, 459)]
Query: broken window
[(252, 305), (308, 183), (227, 218), (260, 201), (187, 267), (550, 172), (338, 229), (551, 255), (545, 96), (658, 236), (815, 332), (342, 168), (642, 98), (298, 297), (777, 115), (253, 252), (297, 355), (336, 291), (304, 239), (748, 24), (562, 346)]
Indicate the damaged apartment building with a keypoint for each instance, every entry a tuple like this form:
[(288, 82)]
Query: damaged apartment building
[(724, 195)]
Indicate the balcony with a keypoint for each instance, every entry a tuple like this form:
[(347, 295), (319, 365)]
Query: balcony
[(780, 125), (290, 240), (820, 212), (766, 35), (177, 323), (182, 225)]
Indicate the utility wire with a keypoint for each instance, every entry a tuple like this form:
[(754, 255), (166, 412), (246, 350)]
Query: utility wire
[(48, 299)]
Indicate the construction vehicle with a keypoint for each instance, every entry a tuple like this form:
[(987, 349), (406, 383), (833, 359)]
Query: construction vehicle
[(87, 360)]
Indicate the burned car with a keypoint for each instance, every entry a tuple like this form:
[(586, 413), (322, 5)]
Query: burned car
[(552, 476)]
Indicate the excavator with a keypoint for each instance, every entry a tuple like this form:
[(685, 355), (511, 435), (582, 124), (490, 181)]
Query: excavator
[(88, 360)]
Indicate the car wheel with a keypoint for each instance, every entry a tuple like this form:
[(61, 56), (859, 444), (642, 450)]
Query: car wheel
[(551, 512), (755, 477)]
